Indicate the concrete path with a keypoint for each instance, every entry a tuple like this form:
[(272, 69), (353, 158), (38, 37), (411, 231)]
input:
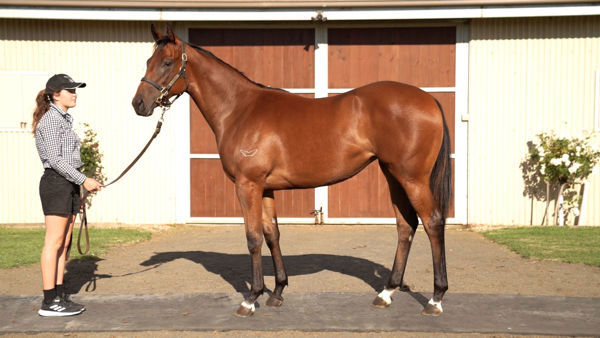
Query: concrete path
[(322, 311)]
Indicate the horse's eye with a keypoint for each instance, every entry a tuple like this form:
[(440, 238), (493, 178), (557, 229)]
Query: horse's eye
[(168, 63)]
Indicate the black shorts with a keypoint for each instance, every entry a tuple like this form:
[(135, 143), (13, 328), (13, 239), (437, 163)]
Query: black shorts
[(59, 196)]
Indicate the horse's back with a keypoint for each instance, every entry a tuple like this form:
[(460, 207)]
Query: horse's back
[(366, 116), (402, 97)]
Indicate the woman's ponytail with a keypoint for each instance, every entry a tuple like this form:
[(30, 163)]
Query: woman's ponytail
[(42, 104)]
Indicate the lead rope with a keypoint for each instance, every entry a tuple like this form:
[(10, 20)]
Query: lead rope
[(82, 211)]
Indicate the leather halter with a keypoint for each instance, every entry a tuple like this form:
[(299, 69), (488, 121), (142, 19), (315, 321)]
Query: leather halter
[(163, 100)]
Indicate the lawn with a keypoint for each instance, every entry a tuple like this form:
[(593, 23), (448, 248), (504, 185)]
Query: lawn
[(19, 247), (565, 244)]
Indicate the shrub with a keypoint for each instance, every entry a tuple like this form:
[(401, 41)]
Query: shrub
[(91, 158), (566, 162)]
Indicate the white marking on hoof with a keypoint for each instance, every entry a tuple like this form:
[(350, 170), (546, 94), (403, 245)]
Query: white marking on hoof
[(386, 295), (249, 153), (438, 305), (248, 306)]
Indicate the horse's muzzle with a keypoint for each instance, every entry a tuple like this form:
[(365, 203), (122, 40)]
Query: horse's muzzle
[(140, 107)]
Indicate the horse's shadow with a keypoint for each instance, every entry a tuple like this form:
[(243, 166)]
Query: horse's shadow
[(234, 268)]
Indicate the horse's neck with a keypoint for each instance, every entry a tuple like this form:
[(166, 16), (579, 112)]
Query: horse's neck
[(218, 90)]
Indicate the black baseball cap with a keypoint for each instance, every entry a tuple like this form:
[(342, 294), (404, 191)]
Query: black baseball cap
[(59, 82)]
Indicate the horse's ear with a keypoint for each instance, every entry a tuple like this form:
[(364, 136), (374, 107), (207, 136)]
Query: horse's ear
[(170, 33), (155, 34)]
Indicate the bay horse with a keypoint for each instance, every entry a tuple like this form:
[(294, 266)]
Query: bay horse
[(269, 139)]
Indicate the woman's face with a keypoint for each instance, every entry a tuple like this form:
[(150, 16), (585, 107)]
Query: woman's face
[(65, 99)]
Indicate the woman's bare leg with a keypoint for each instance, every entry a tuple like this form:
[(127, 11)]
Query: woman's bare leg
[(53, 253), (62, 258)]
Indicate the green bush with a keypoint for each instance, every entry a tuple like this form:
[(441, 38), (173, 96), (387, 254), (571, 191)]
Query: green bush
[(91, 158)]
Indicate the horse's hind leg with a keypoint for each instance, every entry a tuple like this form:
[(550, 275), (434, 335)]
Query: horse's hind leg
[(271, 232), (406, 224), (422, 200)]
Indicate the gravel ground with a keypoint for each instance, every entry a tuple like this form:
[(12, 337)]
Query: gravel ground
[(318, 259)]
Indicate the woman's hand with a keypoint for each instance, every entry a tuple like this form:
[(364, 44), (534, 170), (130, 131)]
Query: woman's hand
[(92, 185)]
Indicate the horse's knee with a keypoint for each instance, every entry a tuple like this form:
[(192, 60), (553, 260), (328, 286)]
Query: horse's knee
[(271, 233), (254, 242)]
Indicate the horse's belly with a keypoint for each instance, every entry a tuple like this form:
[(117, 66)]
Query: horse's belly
[(316, 172)]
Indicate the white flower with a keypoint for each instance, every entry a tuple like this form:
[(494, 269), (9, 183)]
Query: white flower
[(574, 167), (543, 169), (575, 211), (556, 161), (540, 150), (565, 159)]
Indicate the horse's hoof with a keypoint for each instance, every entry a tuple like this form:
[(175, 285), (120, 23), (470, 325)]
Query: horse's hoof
[(245, 310), (275, 300), (380, 302), (432, 310)]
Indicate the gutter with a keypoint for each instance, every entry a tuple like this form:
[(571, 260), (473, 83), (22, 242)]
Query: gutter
[(299, 14)]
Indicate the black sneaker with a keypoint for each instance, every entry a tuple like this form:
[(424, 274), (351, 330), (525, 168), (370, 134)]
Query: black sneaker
[(67, 299), (58, 308)]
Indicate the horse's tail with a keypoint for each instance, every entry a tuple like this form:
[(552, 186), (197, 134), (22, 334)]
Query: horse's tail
[(440, 181)]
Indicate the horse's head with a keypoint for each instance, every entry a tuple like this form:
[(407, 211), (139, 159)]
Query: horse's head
[(165, 73)]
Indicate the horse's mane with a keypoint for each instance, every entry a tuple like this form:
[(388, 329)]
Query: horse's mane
[(231, 67), (165, 39)]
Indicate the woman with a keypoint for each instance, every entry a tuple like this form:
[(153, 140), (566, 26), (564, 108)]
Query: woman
[(58, 147)]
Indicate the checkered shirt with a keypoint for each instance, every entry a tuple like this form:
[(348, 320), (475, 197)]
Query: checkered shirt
[(58, 145)]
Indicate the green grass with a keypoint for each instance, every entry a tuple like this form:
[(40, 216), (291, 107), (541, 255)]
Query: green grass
[(570, 245), (20, 247)]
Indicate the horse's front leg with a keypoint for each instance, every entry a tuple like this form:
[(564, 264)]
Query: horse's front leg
[(271, 231), (250, 196)]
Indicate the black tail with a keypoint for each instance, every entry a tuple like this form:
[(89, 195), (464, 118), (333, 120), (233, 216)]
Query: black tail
[(440, 181)]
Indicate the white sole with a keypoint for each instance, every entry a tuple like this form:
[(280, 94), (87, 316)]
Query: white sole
[(46, 313)]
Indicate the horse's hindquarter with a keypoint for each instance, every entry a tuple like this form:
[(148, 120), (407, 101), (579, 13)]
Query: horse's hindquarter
[(297, 142), (408, 122)]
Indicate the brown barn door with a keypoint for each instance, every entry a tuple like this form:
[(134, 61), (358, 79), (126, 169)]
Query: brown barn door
[(421, 56), (282, 58)]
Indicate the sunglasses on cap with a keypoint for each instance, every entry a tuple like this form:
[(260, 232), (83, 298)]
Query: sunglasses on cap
[(72, 91)]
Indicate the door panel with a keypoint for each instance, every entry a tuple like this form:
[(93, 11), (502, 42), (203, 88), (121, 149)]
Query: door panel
[(421, 56)]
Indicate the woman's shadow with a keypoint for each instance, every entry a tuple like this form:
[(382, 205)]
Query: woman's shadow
[(81, 274)]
